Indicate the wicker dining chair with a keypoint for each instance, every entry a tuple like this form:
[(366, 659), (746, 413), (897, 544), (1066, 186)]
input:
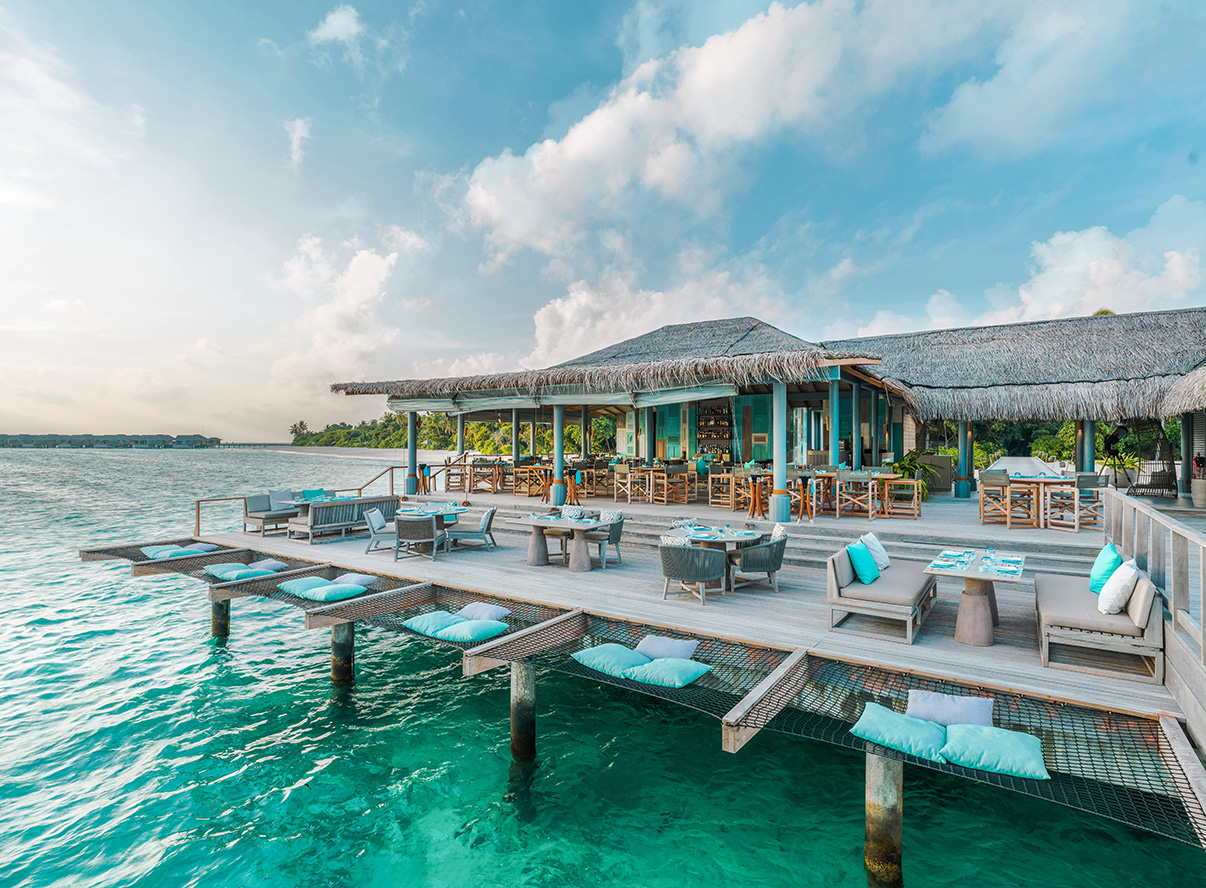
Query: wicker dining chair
[(416, 530), (691, 566)]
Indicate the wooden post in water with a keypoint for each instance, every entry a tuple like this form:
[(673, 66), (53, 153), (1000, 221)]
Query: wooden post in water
[(219, 619), (343, 653), (884, 803), (523, 711)]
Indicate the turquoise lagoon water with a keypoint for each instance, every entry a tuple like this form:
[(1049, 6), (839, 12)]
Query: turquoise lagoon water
[(136, 750)]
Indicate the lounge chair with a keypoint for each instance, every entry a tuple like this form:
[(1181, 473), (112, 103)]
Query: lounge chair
[(691, 566), (483, 532), (379, 529), (414, 530), (903, 593), (259, 513)]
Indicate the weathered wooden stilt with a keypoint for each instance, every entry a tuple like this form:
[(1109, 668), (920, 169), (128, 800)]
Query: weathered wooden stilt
[(523, 712), (343, 653), (219, 619), (885, 798)]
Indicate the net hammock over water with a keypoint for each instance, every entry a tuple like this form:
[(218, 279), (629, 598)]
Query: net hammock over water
[(1117, 766)]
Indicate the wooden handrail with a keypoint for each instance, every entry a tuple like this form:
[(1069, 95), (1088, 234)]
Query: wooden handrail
[(215, 499)]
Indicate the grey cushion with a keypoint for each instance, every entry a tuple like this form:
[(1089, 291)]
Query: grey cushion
[(904, 584), (1139, 608), (280, 497), (1067, 602), (279, 513), (258, 502), (844, 569)]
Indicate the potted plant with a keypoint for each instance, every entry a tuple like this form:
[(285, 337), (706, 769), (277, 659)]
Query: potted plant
[(1197, 485), (911, 466)]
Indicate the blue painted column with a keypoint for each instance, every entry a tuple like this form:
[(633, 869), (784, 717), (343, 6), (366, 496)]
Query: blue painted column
[(856, 426), (558, 455), (1186, 455), (460, 433), (962, 484), (835, 413), (514, 435), (532, 439), (650, 434), (876, 423), (780, 501), (1090, 445), (412, 453)]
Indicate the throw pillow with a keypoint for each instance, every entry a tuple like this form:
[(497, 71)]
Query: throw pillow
[(471, 630), (995, 749), (480, 610), (1118, 588), (778, 533), (572, 511), (332, 592), (950, 709), (431, 623), (200, 547), (610, 659), (667, 672), (268, 564), (1108, 561), (610, 515), (356, 579), (876, 548), (918, 737), (656, 647), (863, 563), (667, 540), (302, 585)]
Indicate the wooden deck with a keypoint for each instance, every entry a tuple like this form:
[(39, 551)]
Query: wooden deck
[(795, 617)]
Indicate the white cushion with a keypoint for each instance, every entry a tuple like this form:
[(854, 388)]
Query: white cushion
[(1118, 588), (655, 647), (950, 709), (572, 511), (779, 532), (480, 610), (268, 564), (876, 548), (668, 540), (355, 579), (610, 516)]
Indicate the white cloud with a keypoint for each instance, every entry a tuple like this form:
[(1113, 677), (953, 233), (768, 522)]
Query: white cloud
[(404, 240), (382, 51), (299, 131), (342, 25)]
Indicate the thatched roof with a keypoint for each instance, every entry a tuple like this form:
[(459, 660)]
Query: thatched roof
[(739, 351), (1112, 367), (1187, 394)]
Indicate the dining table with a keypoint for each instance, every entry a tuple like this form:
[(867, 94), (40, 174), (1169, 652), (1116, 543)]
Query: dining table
[(439, 511), (538, 547), (979, 569), (723, 538)]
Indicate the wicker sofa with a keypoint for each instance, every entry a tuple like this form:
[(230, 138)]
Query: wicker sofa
[(341, 516), (903, 593), (1067, 615)]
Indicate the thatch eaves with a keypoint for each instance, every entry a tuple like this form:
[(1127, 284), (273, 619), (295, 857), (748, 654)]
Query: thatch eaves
[(1186, 395)]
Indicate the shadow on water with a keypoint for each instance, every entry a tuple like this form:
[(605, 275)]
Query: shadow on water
[(520, 777)]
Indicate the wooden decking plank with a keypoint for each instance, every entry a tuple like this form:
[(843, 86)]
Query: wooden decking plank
[(787, 679), (533, 638), (366, 607)]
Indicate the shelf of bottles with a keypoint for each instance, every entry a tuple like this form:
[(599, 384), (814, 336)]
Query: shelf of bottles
[(714, 430)]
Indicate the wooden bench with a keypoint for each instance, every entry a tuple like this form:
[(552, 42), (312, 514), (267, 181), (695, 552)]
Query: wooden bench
[(325, 519), (1067, 615)]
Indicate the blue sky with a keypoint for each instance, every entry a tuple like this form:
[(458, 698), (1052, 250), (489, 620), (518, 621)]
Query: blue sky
[(210, 212)]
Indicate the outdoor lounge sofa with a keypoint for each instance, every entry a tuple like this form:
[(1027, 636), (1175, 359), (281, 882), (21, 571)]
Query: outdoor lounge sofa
[(327, 519), (1067, 615), (903, 592), (260, 513)]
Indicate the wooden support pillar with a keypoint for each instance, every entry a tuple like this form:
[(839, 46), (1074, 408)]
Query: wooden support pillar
[(856, 426), (219, 619), (962, 482), (514, 436), (412, 453), (780, 501), (1090, 427), (343, 653), (460, 434), (884, 804), (877, 427), (1186, 455), (532, 440), (1078, 448), (523, 711), (558, 455), (835, 413)]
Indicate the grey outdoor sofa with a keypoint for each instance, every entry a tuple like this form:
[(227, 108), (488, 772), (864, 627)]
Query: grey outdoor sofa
[(903, 593)]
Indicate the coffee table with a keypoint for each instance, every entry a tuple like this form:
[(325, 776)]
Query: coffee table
[(978, 603)]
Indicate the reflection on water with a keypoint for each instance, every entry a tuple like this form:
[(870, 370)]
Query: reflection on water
[(136, 750)]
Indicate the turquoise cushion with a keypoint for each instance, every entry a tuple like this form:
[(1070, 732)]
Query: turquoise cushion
[(302, 585), (430, 624), (1108, 561), (995, 749), (311, 494), (160, 551), (174, 552), (223, 568), (668, 672), (331, 591), (472, 630), (863, 562), (246, 573), (610, 659), (915, 736)]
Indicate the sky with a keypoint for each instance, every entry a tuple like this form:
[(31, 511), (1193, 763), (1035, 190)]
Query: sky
[(211, 211)]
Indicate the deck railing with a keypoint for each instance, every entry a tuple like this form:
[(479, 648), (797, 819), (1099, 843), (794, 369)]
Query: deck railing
[(1174, 556)]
